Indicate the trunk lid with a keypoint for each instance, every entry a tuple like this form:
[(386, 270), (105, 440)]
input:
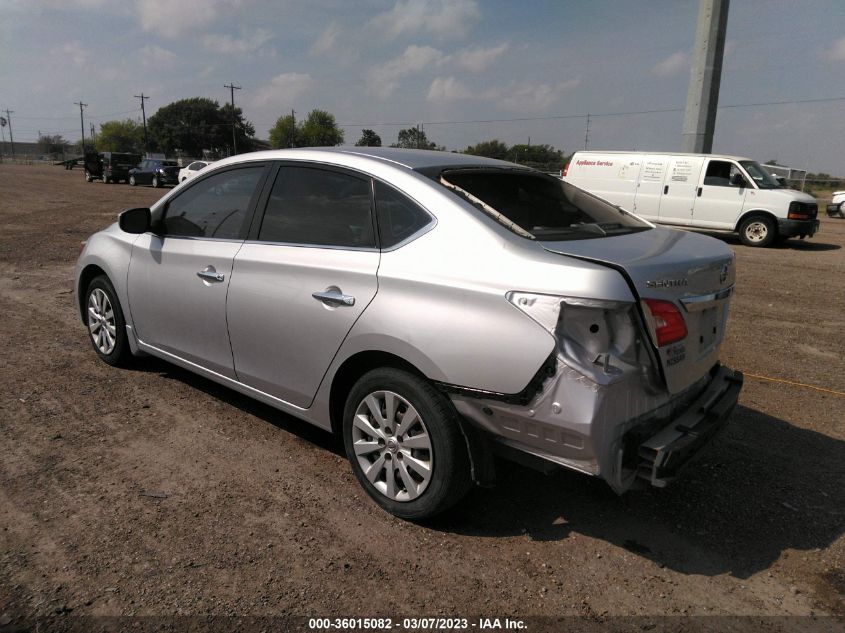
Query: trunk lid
[(695, 272)]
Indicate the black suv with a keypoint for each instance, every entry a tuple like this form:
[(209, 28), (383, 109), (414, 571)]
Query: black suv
[(109, 166), (155, 172)]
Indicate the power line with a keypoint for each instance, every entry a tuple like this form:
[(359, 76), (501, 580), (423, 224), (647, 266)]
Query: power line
[(592, 115)]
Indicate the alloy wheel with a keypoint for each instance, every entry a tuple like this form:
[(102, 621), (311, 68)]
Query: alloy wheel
[(101, 321), (392, 446)]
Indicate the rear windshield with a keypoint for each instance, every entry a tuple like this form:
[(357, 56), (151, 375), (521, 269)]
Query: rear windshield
[(540, 207)]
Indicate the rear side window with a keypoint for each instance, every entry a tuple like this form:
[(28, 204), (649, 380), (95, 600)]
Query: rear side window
[(213, 207), (398, 216), (538, 206), (318, 207)]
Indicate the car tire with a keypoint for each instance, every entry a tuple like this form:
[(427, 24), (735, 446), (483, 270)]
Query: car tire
[(106, 179), (413, 472), (88, 177), (131, 181), (156, 184), (758, 230), (106, 323)]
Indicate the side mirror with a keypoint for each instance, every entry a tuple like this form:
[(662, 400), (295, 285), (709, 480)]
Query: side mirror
[(737, 180), (135, 220)]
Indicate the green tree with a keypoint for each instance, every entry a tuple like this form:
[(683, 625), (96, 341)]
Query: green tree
[(121, 136), (192, 125), (369, 139), (413, 138), (489, 149), (320, 130), (542, 157), (52, 145)]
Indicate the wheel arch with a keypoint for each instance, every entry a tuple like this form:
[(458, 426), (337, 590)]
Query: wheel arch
[(478, 447), (88, 274), (755, 213)]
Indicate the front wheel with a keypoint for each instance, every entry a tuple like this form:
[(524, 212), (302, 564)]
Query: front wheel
[(156, 183), (106, 179), (88, 177), (758, 230), (106, 324), (132, 181), (404, 442)]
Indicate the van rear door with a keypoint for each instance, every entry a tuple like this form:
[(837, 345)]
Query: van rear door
[(650, 187), (679, 190)]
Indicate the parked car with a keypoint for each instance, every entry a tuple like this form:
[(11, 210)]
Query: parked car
[(109, 166), (698, 191), (433, 309), (192, 169), (837, 202), (155, 172)]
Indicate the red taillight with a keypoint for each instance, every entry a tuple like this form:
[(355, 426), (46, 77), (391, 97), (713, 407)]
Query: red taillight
[(565, 169), (668, 321)]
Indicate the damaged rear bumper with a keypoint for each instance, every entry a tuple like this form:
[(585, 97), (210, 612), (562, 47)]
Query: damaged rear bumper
[(661, 457), (627, 433)]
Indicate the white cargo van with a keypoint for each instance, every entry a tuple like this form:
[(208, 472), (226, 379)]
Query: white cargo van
[(697, 191)]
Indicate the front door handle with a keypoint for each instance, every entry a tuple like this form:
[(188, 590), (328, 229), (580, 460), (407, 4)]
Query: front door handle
[(334, 297), (209, 274)]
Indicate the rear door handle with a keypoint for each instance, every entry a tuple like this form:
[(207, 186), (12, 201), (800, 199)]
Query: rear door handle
[(699, 191), (209, 274), (665, 189), (334, 297)]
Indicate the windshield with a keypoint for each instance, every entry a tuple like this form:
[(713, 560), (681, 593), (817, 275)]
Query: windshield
[(169, 163), (540, 207), (763, 178)]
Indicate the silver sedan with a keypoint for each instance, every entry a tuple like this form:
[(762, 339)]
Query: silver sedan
[(433, 309)]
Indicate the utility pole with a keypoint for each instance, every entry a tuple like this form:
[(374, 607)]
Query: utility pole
[(705, 76), (93, 140), (232, 87), (587, 132), (11, 136), (292, 127), (81, 122), (144, 117)]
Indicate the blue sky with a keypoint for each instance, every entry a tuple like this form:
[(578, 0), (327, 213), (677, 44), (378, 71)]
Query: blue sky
[(377, 63)]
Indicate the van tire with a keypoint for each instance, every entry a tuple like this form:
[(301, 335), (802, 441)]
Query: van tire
[(758, 230)]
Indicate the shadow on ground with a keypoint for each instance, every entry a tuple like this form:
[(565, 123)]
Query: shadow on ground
[(762, 487)]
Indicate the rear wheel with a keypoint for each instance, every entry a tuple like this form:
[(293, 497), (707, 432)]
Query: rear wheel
[(132, 181), (404, 442), (106, 324), (758, 230)]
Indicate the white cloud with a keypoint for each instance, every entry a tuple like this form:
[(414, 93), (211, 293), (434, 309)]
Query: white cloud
[(72, 51), (171, 18), (384, 78), (525, 98), (445, 89), (327, 40), (225, 43), (283, 90), (676, 62), (152, 55), (479, 59), (440, 18), (837, 51)]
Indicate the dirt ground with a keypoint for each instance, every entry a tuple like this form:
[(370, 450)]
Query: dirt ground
[(150, 491)]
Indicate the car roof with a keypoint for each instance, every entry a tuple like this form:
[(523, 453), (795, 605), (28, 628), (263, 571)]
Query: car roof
[(623, 152), (416, 159)]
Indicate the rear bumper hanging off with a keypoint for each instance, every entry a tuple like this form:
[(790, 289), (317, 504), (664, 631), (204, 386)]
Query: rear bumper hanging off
[(661, 457)]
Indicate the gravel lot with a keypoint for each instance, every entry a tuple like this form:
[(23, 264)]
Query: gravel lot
[(154, 492)]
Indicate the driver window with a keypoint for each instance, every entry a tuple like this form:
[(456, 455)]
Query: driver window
[(214, 207), (720, 172)]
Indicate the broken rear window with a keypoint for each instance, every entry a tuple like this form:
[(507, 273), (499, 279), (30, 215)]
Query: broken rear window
[(538, 206)]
